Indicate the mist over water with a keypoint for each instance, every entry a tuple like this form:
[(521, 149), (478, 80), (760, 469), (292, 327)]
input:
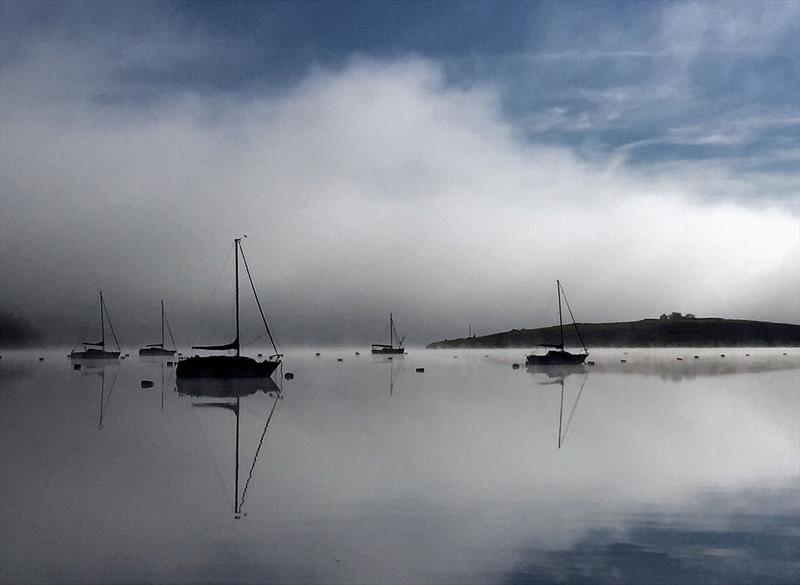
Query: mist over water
[(371, 472)]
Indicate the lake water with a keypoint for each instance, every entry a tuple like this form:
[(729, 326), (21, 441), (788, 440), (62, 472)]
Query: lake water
[(651, 471)]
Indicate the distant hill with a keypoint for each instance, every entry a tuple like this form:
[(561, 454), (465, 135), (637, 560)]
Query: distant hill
[(17, 332), (673, 331)]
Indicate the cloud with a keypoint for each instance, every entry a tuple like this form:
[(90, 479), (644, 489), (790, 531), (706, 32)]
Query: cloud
[(372, 187)]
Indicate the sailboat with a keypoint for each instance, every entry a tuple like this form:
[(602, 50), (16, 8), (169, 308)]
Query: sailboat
[(558, 356), (97, 349), (231, 366), (390, 348), (157, 349)]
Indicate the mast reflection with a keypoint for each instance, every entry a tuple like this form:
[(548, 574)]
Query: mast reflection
[(228, 395), (98, 368), (558, 379)]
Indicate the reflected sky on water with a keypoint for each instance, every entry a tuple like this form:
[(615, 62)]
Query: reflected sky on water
[(367, 471)]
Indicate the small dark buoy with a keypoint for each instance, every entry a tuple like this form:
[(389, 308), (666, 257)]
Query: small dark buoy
[(623, 361), (41, 359), (514, 366), (784, 353), (590, 363), (317, 354), (170, 364), (289, 375), (260, 355), (747, 355), (358, 353), (127, 355), (722, 355), (455, 357), (76, 366), (420, 370), (697, 357), (339, 360), (679, 359), (389, 358), (147, 383)]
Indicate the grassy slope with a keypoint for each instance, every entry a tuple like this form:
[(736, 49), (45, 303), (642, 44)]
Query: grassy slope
[(702, 332)]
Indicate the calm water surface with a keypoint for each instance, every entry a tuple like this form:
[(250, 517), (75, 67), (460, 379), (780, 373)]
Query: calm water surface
[(366, 471)]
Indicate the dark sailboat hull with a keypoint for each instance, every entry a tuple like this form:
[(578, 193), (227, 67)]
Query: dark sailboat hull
[(156, 351), (556, 358), (94, 354), (224, 367), (389, 351)]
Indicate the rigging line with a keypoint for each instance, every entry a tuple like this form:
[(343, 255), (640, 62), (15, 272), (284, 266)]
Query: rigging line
[(252, 341), (108, 317), (574, 406), (258, 449), (222, 486), (207, 305), (169, 330), (578, 331), (258, 302), (110, 388)]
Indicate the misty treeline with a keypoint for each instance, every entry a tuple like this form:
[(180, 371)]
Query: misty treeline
[(16, 331)]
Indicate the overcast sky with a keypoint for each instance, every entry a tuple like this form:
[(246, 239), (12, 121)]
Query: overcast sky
[(443, 161)]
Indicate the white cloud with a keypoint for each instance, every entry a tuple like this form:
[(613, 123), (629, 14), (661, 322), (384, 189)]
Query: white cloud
[(371, 189)]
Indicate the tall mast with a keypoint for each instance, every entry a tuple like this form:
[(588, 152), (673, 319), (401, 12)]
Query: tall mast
[(162, 323), (236, 263), (391, 331), (560, 321), (102, 323)]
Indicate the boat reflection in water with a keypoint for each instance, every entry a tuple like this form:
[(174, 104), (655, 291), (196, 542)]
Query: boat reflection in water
[(228, 393), (98, 368), (224, 387), (563, 427)]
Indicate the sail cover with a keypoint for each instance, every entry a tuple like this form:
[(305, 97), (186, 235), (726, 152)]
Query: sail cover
[(232, 345), (155, 345), (92, 343)]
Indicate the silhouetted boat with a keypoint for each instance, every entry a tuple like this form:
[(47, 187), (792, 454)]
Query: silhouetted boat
[(96, 350), (157, 349), (559, 356), (235, 366), (391, 348)]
